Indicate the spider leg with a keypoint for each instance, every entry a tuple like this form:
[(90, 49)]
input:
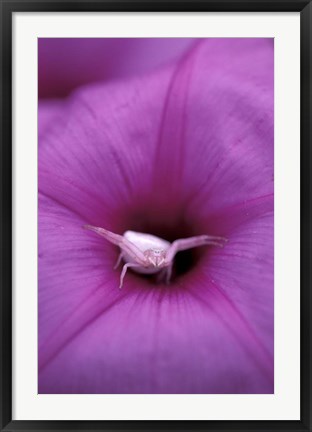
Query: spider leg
[(192, 242), (120, 241), (161, 275), (168, 273), (124, 271), (165, 274), (118, 261)]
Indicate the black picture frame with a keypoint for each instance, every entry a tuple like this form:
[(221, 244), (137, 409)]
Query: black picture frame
[(8, 7)]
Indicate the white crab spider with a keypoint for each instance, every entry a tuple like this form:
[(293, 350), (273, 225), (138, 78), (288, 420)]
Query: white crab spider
[(146, 253)]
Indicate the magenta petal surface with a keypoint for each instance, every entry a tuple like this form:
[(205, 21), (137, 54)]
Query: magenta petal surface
[(216, 141), (67, 63), (187, 149), (155, 343)]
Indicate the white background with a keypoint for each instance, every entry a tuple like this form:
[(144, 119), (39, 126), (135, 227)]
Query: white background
[(285, 403)]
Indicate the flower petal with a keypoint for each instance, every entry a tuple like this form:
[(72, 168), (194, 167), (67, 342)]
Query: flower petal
[(67, 63), (243, 274), (217, 129), (158, 342), (75, 277), (103, 149), (50, 112)]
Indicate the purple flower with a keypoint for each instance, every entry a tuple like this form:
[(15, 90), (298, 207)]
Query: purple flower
[(184, 151)]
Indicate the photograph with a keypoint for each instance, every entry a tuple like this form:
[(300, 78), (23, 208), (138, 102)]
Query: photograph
[(156, 215)]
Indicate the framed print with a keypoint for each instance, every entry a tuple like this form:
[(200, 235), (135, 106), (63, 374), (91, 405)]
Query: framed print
[(156, 215)]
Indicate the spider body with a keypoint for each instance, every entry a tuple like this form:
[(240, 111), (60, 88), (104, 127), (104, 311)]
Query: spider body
[(154, 249), (146, 253)]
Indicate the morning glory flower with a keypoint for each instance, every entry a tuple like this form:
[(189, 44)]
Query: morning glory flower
[(185, 150)]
